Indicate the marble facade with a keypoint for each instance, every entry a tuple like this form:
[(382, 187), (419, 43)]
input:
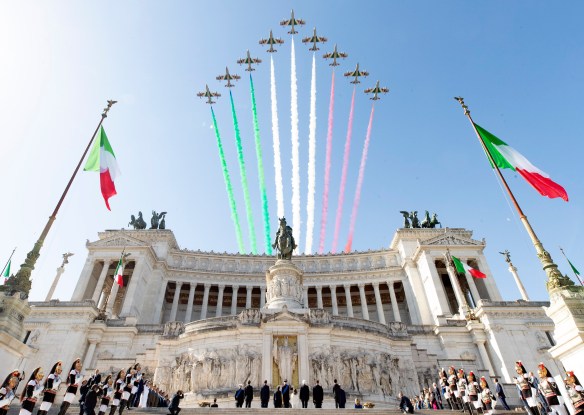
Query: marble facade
[(378, 321)]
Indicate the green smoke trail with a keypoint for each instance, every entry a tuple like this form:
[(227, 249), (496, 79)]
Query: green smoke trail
[(234, 215), (258, 146), (246, 199)]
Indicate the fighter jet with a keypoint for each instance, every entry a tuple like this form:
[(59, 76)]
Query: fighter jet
[(356, 73), (208, 94), (292, 22), (335, 55), (271, 41), (248, 60), (228, 77), (314, 40), (376, 91)]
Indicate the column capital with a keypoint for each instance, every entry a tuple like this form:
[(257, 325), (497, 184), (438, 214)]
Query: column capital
[(207, 286), (249, 287), (318, 288), (235, 287), (333, 287), (375, 285), (347, 286), (361, 285), (179, 283), (221, 286)]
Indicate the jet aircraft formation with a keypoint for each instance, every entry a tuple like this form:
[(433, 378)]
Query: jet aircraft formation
[(313, 40)]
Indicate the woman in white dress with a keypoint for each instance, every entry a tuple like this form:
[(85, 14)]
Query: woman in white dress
[(295, 399)]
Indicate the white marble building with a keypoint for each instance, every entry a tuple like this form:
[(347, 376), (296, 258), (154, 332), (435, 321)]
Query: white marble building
[(378, 321)]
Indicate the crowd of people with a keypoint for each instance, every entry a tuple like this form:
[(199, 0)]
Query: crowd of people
[(98, 394), (457, 390)]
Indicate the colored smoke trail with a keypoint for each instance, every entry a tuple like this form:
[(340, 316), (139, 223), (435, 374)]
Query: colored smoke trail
[(258, 147), (357, 198), (276, 141), (246, 198), (327, 167), (227, 180), (295, 148), (311, 161), (341, 199)]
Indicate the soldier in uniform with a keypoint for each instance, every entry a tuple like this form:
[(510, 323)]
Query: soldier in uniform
[(444, 389), (575, 393), (51, 387), (549, 389), (487, 397), (525, 388), (452, 379), (107, 393), (461, 387), (31, 392), (8, 391), (73, 380), (118, 390), (473, 390)]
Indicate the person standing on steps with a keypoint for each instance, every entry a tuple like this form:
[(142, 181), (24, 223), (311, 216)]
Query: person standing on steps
[(317, 395), (286, 394), (336, 388), (239, 396), (51, 386), (500, 394), (248, 394), (265, 395), (304, 394), (73, 383)]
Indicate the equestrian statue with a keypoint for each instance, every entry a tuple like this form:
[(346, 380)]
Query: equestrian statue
[(284, 242)]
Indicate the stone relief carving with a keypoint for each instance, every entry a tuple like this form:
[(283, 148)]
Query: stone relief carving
[(210, 369), (284, 286), (173, 329), (250, 316), (319, 316), (362, 371)]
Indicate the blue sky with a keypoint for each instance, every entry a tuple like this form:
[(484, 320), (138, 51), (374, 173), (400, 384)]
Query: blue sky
[(518, 65)]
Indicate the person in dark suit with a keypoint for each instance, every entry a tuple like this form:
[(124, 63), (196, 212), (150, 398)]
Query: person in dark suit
[(248, 394), (214, 404), (286, 394), (278, 398), (336, 388), (317, 395), (239, 396), (500, 394), (304, 394), (174, 403), (405, 404), (265, 395), (91, 399)]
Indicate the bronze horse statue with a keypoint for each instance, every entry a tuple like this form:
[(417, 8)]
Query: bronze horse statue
[(284, 242), (138, 223)]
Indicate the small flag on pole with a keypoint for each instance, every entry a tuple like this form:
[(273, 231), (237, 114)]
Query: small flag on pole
[(119, 274), (506, 157), (6, 273), (103, 160), (464, 268)]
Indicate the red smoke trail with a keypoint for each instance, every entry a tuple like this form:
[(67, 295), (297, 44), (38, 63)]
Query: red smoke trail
[(341, 199), (327, 167), (359, 184)]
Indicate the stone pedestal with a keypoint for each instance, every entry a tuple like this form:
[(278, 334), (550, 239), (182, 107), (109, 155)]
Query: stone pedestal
[(567, 311), (13, 311), (284, 286)]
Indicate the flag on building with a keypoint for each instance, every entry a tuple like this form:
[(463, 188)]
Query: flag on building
[(103, 159), (119, 274), (463, 268), (506, 157), (574, 268), (6, 273)]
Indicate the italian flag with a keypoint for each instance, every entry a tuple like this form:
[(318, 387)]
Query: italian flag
[(506, 157), (119, 274), (6, 273), (103, 159), (462, 268)]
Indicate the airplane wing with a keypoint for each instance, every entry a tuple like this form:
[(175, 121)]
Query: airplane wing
[(235, 76), (220, 77), (200, 94), (240, 61), (354, 73), (216, 94), (368, 90), (263, 41)]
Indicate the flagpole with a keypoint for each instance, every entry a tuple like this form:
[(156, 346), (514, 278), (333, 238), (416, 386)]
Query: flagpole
[(575, 273), (555, 279), (21, 281), (7, 262)]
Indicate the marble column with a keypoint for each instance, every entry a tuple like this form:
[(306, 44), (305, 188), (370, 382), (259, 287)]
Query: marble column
[(219, 310), (349, 301), (485, 356), (513, 271), (205, 301), (364, 308), (174, 308), (303, 363), (415, 316), (112, 299), (334, 300), (262, 296), (267, 357), (235, 289), (160, 302), (136, 279), (89, 353), (305, 296), (394, 306), (189, 313), (100, 281), (473, 288), (83, 279), (456, 286), (378, 303), (249, 289), (319, 297)]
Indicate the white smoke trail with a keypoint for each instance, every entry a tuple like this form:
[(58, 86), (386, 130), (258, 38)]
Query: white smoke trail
[(311, 161), (276, 140), (295, 148)]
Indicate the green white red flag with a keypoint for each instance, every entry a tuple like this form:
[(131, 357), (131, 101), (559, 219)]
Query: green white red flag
[(6, 273), (463, 268), (119, 274), (506, 157), (103, 159)]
